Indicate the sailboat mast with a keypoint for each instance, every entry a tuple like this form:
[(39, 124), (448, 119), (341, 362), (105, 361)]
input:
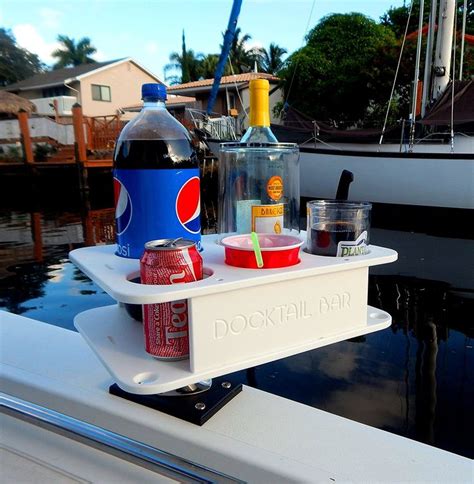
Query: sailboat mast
[(444, 45), (228, 37), (417, 75), (429, 57)]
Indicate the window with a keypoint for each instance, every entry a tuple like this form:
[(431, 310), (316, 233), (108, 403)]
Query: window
[(232, 103), (101, 93)]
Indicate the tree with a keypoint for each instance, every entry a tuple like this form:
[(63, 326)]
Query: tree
[(16, 63), (241, 58), (187, 63), (270, 60), (191, 63), (396, 17), (208, 66), (347, 63), (73, 53)]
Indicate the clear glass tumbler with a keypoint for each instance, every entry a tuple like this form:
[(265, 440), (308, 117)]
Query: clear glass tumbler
[(338, 228)]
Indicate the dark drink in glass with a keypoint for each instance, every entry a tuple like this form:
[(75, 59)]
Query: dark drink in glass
[(338, 228), (326, 237)]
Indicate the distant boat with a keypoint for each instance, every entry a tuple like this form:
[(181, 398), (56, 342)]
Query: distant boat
[(431, 176), (435, 172)]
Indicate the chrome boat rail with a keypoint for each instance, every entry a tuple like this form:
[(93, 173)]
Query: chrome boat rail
[(131, 450)]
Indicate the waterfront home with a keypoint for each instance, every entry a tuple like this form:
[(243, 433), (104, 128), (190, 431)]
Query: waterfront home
[(176, 105), (233, 98), (102, 88)]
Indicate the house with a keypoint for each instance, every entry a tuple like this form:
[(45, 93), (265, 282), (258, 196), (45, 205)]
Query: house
[(102, 88), (176, 105), (233, 98)]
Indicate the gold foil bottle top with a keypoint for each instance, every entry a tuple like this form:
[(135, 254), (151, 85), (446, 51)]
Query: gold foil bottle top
[(259, 102)]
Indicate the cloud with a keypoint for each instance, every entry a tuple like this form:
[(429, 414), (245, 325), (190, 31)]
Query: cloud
[(50, 17), (151, 47), (29, 38), (377, 404), (100, 56), (253, 44)]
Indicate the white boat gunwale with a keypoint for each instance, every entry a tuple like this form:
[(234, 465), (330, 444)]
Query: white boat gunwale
[(257, 437)]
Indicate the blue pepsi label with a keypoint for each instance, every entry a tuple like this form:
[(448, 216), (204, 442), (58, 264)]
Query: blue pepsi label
[(155, 204)]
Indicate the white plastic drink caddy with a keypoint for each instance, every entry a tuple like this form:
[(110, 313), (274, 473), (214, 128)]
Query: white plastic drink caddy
[(238, 317)]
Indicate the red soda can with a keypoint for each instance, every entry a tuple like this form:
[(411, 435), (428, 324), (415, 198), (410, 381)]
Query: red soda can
[(165, 325)]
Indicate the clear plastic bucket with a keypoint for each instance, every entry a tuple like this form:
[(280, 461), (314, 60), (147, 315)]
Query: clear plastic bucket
[(259, 188)]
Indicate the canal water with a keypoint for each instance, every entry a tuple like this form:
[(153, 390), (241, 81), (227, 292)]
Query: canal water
[(415, 379)]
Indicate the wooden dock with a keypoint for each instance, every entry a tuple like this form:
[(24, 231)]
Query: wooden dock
[(75, 159)]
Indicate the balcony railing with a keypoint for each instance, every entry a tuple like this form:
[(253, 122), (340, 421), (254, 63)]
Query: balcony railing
[(46, 105)]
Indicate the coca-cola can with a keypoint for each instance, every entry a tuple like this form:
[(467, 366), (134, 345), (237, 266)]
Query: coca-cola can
[(165, 325)]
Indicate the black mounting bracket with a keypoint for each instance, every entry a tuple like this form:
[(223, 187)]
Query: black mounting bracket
[(195, 408)]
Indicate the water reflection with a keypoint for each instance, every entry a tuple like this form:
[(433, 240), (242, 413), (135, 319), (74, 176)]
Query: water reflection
[(36, 277), (415, 379)]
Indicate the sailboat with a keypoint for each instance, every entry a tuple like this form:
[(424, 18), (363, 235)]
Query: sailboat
[(423, 172), (434, 171)]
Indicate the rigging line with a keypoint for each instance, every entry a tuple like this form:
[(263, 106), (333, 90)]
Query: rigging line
[(396, 74), (453, 77), (464, 15), (236, 88), (297, 60)]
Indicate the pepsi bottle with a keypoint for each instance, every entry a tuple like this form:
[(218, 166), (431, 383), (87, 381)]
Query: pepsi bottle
[(156, 178)]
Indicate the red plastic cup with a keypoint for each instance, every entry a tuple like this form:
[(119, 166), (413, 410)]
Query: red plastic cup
[(278, 250)]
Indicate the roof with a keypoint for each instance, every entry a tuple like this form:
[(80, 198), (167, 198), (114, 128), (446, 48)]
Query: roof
[(11, 103), (56, 77), (180, 100), (59, 76), (171, 101), (236, 78)]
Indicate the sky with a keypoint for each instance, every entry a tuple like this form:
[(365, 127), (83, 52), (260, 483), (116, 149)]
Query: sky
[(148, 31)]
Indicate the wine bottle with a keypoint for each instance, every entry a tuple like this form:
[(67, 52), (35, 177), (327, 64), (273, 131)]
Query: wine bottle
[(259, 130)]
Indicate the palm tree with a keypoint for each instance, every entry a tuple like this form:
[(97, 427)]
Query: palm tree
[(187, 62), (73, 53), (270, 60), (188, 65), (242, 59), (208, 66)]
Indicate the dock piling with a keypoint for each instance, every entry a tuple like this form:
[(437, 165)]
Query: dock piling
[(25, 137), (80, 151)]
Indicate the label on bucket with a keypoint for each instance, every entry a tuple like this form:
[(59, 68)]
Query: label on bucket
[(346, 248), (267, 218)]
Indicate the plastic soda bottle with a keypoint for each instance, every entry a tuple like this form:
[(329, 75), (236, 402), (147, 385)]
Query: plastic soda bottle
[(156, 178)]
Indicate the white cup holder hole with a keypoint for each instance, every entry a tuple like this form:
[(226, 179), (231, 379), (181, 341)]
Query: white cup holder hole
[(146, 378), (207, 272), (378, 315)]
